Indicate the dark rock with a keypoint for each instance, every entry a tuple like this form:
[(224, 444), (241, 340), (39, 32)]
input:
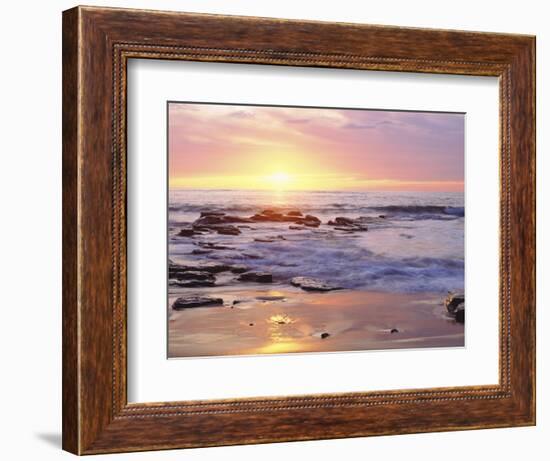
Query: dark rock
[(196, 301), (198, 251), (236, 219), (325, 335), (186, 232), (453, 300), (311, 284), (236, 301), (250, 324), (258, 277), (213, 267), (309, 221), (295, 227), (382, 216), (217, 219), (227, 230), (211, 213), (192, 283), (341, 221), (272, 217), (209, 220), (394, 330), (349, 224), (292, 216), (174, 268), (460, 313), (270, 212), (260, 218), (455, 305), (194, 275)]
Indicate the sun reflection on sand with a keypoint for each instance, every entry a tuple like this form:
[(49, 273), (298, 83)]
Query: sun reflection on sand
[(279, 336), (280, 319), (280, 347)]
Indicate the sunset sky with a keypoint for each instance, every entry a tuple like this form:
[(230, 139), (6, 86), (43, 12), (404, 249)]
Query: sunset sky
[(282, 148)]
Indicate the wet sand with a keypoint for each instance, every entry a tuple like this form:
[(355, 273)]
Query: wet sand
[(289, 320)]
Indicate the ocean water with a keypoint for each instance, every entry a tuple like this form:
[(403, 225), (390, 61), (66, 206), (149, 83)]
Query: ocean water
[(417, 247)]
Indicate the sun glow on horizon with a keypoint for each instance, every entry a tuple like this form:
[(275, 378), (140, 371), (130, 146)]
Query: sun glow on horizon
[(279, 180), (285, 182)]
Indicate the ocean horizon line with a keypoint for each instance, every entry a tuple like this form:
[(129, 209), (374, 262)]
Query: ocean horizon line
[(276, 191)]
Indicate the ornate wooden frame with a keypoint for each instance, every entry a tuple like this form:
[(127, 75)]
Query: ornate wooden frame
[(97, 43)]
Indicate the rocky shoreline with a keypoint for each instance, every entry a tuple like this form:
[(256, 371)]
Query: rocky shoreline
[(213, 273)]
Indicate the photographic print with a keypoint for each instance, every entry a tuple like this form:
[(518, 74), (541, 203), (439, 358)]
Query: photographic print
[(306, 229)]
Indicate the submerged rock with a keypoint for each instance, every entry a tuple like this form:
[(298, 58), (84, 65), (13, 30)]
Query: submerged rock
[(196, 301), (325, 335), (215, 246), (455, 305), (394, 330), (311, 284), (270, 298), (258, 277), (270, 239)]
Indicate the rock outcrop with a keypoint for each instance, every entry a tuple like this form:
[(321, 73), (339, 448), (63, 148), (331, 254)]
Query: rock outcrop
[(311, 284), (348, 224), (258, 277), (187, 302), (455, 305)]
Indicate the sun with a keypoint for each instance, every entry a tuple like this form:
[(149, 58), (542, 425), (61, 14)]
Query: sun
[(279, 180)]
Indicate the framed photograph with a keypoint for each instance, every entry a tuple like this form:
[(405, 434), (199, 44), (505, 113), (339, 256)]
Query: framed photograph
[(280, 230)]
